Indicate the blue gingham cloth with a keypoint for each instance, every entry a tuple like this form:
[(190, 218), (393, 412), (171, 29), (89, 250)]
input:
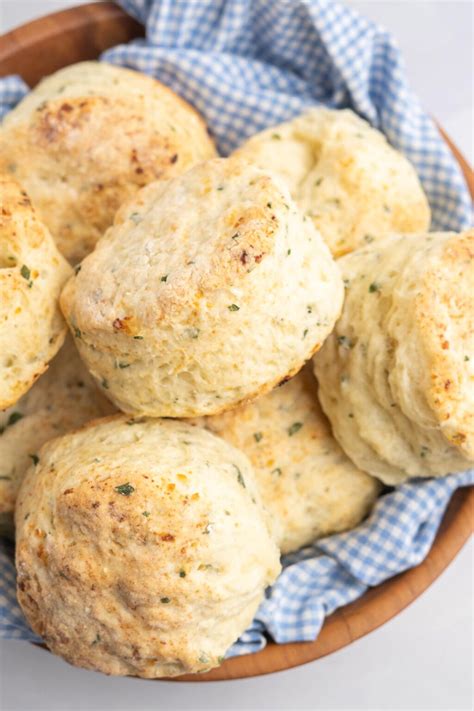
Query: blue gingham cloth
[(246, 65)]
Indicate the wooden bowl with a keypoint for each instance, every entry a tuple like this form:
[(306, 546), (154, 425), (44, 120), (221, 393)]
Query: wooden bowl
[(45, 45)]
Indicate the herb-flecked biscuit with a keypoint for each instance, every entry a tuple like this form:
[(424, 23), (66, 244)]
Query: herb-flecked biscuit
[(32, 274), (141, 547), (344, 175), (64, 398), (208, 290), (397, 375), (88, 137), (308, 485)]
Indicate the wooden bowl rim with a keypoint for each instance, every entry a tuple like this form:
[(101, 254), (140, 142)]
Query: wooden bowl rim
[(379, 604)]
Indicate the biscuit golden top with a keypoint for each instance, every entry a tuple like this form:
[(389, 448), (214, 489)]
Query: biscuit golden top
[(149, 545), (88, 137), (210, 288), (344, 175)]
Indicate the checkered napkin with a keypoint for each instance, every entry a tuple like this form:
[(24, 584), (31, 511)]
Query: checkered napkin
[(246, 65)]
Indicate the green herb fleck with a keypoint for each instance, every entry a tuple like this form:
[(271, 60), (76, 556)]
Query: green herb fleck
[(345, 342), (318, 182), (125, 489), (25, 272), (233, 307), (269, 204), (305, 333), (146, 514), (276, 136), (240, 478), (77, 332), (14, 417), (135, 217), (77, 269), (164, 277), (424, 451), (288, 253), (182, 573), (221, 187), (309, 308), (466, 358), (192, 333), (165, 600), (204, 659), (104, 383), (295, 427), (97, 640), (236, 236), (374, 287), (34, 458), (220, 659), (207, 530), (138, 338), (257, 436), (5, 478), (277, 471), (369, 238)]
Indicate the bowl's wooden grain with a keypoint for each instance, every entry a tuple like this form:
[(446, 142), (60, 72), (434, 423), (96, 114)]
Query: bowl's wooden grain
[(52, 42), (41, 47)]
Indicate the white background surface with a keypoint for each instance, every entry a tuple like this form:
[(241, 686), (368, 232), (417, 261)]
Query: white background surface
[(422, 659)]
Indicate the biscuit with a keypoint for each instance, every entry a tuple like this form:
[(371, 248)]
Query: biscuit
[(88, 137), (32, 273), (306, 482), (64, 398), (141, 547), (209, 290), (344, 175), (396, 376)]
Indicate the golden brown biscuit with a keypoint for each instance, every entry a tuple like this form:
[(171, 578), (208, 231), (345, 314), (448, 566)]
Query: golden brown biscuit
[(344, 175), (141, 547), (32, 273), (88, 137), (208, 290), (308, 485), (396, 376)]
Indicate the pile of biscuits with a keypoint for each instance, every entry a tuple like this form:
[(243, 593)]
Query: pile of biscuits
[(207, 362)]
